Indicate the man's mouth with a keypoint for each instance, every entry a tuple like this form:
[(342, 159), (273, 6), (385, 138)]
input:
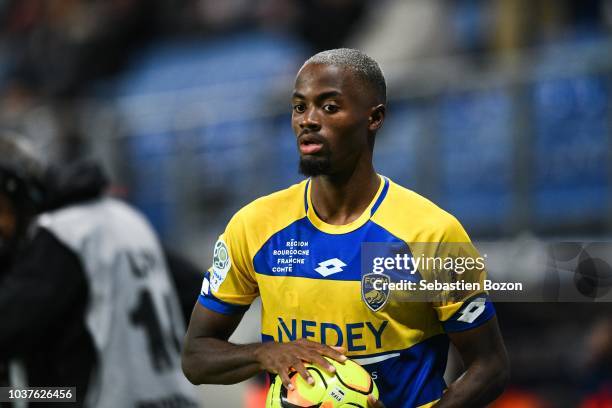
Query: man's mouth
[(310, 147), (310, 144)]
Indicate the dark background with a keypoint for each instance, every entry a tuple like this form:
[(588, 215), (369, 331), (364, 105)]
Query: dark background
[(500, 112)]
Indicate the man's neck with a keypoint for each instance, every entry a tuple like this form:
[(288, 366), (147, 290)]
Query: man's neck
[(341, 199)]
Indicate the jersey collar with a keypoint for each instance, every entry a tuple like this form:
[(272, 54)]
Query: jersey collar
[(352, 226)]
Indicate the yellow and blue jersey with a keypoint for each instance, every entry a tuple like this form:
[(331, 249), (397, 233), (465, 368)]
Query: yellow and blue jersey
[(308, 274)]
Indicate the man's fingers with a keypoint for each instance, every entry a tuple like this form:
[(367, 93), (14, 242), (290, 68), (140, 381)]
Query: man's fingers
[(318, 359), (299, 367), (373, 403), (337, 353), (284, 375), (339, 349)]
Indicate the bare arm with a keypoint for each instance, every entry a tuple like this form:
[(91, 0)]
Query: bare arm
[(484, 354), (487, 368), (208, 358), (207, 355)]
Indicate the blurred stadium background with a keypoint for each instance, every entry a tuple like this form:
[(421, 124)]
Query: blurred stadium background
[(500, 111)]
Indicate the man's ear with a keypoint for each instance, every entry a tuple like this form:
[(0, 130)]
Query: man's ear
[(377, 117)]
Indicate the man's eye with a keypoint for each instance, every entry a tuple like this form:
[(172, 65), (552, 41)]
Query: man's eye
[(299, 108), (331, 108)]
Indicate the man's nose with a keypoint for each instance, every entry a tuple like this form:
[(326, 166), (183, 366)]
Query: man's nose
[(310, 120)]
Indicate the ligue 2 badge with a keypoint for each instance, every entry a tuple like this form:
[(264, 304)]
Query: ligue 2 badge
[(375, 298), (221, 265)]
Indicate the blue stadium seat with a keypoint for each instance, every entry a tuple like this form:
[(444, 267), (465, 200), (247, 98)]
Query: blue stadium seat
[(202, 101), (398, 143), (570, 150), (475, 157)]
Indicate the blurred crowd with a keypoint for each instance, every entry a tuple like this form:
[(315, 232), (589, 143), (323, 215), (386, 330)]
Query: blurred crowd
[(161, 89), (65, 63), (58, 48)]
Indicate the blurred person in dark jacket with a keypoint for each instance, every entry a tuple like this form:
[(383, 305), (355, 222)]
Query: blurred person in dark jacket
[(597, 379), (85, 294)]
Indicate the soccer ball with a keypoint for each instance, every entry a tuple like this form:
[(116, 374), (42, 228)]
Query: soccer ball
[(348, 387)]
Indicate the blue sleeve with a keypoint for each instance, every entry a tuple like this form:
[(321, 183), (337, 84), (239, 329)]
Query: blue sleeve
[(475, 312), (209, 301), (216, 305)]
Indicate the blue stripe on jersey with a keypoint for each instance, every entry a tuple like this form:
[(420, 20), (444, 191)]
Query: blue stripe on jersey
[(377, 204), (219, 306), (475, 312), (339, 249), (306, 196), (381, 197), (415, 377)]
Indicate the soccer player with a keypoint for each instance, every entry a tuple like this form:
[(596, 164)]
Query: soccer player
[(300, 250), (85, 295)]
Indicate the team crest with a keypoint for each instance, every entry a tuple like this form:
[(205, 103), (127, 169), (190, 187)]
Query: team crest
[(375, 299)]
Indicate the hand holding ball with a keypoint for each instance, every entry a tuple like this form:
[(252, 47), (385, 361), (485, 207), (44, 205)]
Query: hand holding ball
[(348, 387)]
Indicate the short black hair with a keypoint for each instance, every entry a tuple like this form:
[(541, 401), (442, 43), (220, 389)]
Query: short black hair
[(365, 67)]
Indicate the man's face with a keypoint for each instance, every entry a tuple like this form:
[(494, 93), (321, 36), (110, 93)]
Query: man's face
[(330, 118)]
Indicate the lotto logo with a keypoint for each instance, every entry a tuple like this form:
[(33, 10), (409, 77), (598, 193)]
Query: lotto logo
[(330, 267)]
